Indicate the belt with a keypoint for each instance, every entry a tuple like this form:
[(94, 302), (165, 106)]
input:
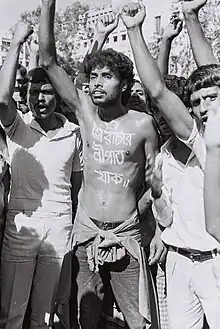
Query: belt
[(105, 225), (196, 255)]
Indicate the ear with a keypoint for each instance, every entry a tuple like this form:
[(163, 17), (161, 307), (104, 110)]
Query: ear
[(124, 85)]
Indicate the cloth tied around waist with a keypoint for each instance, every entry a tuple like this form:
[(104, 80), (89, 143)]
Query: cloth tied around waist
[(107, 248), (112, 245)]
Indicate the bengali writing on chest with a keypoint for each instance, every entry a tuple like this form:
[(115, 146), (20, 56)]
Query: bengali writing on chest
[(111, 156)]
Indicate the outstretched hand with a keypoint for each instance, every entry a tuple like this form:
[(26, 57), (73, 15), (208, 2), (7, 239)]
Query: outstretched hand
[(107, 23), (173, 29), (192, 6), (22, 32), (133, 14)]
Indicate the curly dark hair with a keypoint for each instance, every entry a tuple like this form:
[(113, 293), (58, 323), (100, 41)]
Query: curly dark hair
[(204, 77), (117, 62)]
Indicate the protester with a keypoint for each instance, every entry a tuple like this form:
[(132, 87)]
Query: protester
[(149, 142), (191, 249), (106, 181), (42, 156)]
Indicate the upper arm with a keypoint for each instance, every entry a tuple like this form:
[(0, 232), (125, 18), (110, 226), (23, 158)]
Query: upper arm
[(75, 99), (175, 113)]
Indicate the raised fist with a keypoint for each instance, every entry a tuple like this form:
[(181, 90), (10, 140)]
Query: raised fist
[(192, 6), (133, 14), (173, 29), (22, 32), (107, 23)]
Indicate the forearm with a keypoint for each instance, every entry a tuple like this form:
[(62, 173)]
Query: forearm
[(202, 50), (145, 202), (172, 108), (46, 33), (97, 45), (212, 192), (8, 73), (162, 209), (149, 72), (33, 60), (163, 57)]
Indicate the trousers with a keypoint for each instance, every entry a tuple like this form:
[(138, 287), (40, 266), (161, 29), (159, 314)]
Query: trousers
[(33, 249), (191, 292)]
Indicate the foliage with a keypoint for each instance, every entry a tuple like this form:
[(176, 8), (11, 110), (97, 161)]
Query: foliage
[(182, 61), (68, 26)]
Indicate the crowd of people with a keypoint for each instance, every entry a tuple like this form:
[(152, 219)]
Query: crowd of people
[(109, 185)]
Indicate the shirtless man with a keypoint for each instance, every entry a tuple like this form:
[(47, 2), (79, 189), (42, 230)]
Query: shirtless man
[(116, 143)]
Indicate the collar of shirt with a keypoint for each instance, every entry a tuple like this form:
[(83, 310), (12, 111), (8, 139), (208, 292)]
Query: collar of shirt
[(67, 129), (166, 148)]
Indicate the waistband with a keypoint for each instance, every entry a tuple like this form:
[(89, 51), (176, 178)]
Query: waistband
[(196, 255), (105, 225)]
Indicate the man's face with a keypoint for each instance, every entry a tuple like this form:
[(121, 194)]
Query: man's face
[(203, 100), (138, 90), (19, 94), (105, 87), (41, 99)]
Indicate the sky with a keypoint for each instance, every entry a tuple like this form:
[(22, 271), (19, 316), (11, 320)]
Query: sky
[(10, 9)]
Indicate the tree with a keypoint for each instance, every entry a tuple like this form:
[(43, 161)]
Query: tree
[(69, 25), (209, 17)]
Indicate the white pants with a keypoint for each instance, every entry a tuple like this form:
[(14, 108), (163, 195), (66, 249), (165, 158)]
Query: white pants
[(191, 292), (33, 249)]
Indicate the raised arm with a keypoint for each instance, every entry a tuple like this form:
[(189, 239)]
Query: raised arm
[(170, 33), (73, 97), (172, 108), (202, 50), (212, 174), (34, 54), (104, 27), (8, 74)]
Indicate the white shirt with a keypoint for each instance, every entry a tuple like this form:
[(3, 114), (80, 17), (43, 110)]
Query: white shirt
[(41, 166), (184, 185)]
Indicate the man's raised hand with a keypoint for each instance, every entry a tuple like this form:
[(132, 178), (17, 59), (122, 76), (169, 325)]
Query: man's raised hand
[(107, 23), (133, 15), (173, 29), (192, 6), (22, 32)]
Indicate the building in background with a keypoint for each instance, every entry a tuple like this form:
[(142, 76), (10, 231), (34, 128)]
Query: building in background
[(158, 15), (5, 42)]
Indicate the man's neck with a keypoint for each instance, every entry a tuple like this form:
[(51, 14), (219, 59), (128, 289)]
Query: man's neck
[(51, 123), (112, 112), (179, 150)]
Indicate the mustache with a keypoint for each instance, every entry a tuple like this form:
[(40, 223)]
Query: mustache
[(98, 90)]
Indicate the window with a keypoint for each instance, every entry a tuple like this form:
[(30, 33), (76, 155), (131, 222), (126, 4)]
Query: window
[(115, 38), (123, 37), (157, 24)]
